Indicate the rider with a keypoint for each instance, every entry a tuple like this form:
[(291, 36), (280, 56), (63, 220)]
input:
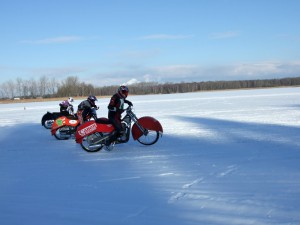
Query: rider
[(66, 107), (115, 109), (85, 108)]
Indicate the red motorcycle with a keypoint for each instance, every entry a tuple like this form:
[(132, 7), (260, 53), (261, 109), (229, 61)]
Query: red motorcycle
[(92, 135), (64, 127)]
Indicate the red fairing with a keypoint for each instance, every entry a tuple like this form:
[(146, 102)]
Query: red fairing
[(63, 121), (147, 122), (92, 127)]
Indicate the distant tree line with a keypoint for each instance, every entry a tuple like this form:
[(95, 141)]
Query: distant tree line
[(43, 87), (71, 86), (168, 88)]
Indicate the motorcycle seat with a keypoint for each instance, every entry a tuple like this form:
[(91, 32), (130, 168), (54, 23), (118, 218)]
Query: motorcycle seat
[(72, 117), (102, 121)]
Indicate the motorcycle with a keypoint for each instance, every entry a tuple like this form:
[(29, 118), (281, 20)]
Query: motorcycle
[(64, 127), (93, 135), (48, 119)]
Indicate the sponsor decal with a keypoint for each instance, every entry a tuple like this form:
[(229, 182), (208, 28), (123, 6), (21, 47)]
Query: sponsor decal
[(87, 130), (59, 122), (72, 121)]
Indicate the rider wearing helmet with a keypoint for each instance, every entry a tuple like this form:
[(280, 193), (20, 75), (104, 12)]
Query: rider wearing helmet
[(115, 109), (85, 108), (66, 107)]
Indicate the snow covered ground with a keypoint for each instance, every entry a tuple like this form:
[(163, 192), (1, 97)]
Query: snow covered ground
[(226, 157)]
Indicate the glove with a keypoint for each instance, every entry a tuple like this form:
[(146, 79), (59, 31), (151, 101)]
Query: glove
[(129, 103)]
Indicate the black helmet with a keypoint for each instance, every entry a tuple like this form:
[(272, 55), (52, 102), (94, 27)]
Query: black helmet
[(123, 91), (92, 98)]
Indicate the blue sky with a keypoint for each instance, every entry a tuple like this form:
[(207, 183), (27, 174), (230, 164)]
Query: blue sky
[(106, 42)]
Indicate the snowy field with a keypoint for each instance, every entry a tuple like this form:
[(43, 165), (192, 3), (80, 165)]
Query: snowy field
[(226, 158)]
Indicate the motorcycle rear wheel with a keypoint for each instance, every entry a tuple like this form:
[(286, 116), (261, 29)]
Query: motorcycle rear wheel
[(149, 139), (89, 147)]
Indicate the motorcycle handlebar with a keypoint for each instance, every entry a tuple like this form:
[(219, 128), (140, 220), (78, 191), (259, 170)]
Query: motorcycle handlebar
[(129, 107)]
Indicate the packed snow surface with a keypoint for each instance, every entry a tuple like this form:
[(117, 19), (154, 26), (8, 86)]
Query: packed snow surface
[(226, 157)]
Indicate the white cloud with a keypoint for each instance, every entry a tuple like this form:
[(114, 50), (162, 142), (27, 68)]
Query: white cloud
[(256, 68), (266, 69), (131, 81), (197, 73), (147, 78), (115, 75), (63, 39)]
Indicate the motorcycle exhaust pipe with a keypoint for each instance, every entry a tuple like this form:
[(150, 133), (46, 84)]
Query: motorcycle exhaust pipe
[(65, 135), (94, 146), (100, 140)]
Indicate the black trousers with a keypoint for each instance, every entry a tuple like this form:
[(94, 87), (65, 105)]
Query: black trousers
[(115, 120)]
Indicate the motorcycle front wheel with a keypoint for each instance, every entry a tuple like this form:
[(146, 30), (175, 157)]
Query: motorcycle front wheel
[(48, 124), (88, 146), (62, 133), (150, 138)]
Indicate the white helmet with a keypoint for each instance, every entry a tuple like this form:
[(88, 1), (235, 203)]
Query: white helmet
[(70, 100)]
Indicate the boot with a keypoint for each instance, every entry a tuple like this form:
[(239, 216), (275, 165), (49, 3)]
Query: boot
[(110, 147)]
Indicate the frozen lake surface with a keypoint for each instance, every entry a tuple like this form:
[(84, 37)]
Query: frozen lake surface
[(226, 157)]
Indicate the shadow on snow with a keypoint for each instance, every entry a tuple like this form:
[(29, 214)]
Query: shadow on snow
[(227, 173)]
